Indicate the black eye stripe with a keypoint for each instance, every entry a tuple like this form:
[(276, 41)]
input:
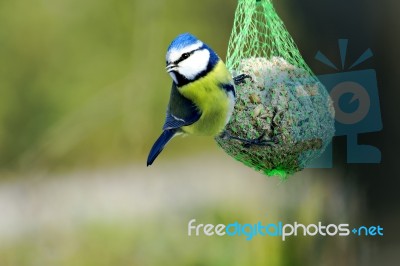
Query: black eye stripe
[(185, 56)]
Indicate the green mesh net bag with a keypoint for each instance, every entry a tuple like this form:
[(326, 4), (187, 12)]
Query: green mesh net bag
[(283, 100)]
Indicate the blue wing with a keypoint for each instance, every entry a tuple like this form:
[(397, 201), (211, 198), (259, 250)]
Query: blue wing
[(181, 111), (229, 88)]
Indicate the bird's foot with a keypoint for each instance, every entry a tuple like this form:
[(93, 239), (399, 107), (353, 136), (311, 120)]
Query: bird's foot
[(241, 79), (247, 143)]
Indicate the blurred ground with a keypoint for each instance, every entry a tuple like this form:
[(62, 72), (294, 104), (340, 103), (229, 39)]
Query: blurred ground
[(137, 206)]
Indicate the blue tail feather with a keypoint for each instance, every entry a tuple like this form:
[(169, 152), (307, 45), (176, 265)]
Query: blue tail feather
[(158, 146)]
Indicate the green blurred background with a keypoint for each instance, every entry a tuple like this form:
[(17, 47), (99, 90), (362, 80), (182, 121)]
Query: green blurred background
[(83, 93)]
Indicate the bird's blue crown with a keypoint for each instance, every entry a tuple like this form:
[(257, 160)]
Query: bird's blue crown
[(182, 41)]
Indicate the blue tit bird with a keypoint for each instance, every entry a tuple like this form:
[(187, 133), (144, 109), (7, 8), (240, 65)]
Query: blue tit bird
[(202, 95)]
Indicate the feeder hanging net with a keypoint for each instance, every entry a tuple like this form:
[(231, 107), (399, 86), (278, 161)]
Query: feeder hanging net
[(283, 100)]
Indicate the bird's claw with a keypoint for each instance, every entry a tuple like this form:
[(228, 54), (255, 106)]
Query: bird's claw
[(241, 79), (260, 141), (247, 143)]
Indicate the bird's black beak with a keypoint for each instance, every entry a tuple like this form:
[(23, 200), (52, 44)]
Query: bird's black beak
[(171, 67)]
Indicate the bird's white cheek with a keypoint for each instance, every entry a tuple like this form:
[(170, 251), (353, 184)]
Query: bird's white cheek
[(173, 76), (195, 64)]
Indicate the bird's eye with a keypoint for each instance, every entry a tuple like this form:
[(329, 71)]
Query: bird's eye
[(185, 55)]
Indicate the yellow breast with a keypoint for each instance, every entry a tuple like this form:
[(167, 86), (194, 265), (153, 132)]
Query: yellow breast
[(212, 100)]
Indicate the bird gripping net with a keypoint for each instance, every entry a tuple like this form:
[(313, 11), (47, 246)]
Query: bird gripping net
[(282, 101)]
